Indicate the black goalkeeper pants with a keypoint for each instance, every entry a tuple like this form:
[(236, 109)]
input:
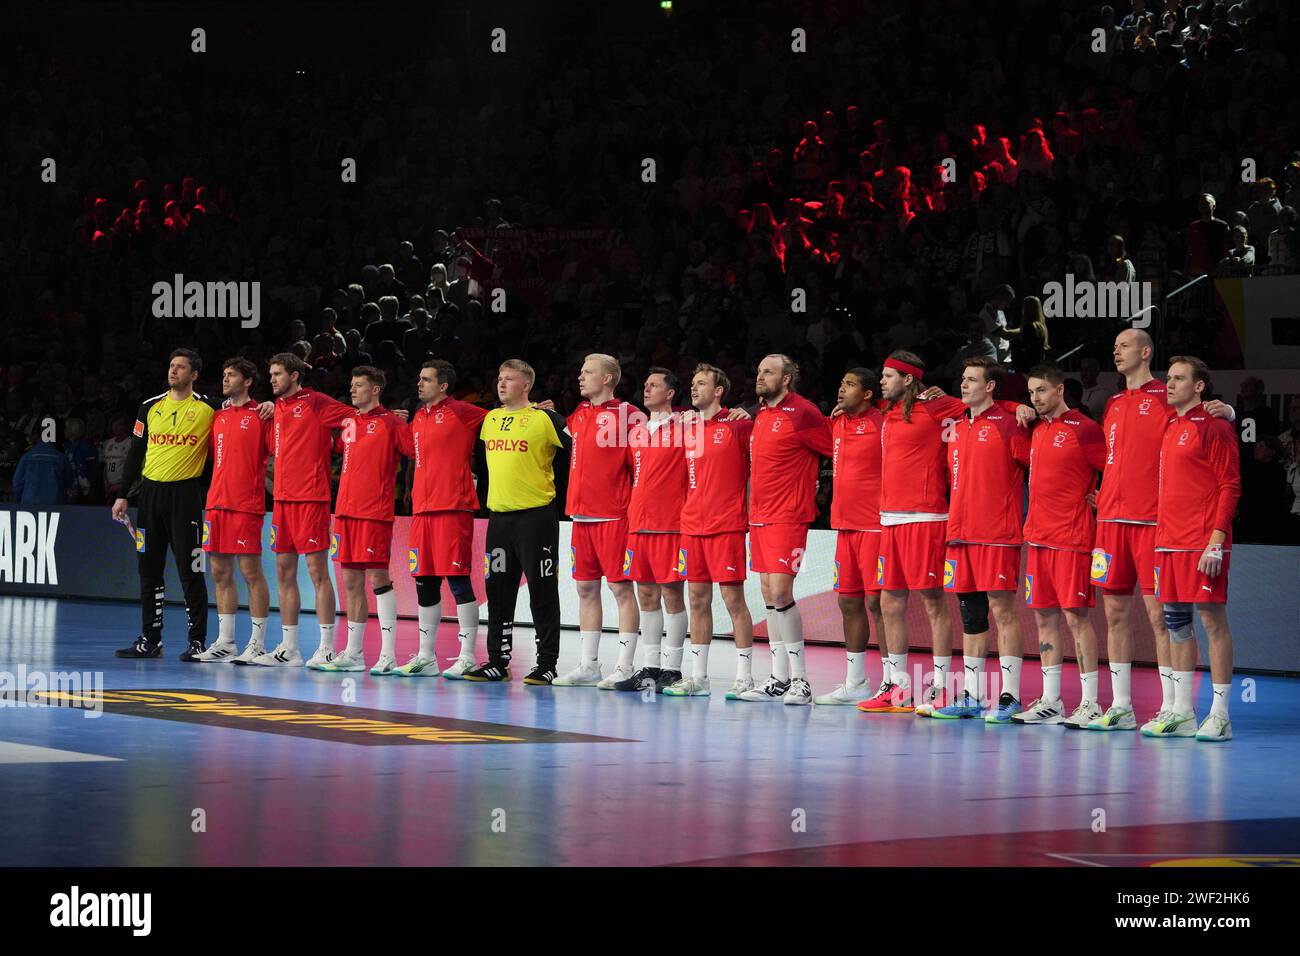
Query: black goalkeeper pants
[(523, 543), (171, 517)]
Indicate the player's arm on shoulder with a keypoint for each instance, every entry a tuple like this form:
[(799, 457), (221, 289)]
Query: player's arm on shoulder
[(1218, 409)]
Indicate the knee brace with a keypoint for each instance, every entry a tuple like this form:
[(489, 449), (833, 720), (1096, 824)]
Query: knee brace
[(461, 589), (974, 612), (1178, 622), (428, 590)]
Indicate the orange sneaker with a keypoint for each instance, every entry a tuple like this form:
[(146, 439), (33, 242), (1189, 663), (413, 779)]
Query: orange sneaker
[(889, 699)]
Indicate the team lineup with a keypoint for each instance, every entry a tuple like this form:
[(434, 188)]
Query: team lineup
[(928, 499)]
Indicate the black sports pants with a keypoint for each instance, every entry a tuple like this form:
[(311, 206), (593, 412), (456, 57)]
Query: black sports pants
[(171, 515), (523, 542)]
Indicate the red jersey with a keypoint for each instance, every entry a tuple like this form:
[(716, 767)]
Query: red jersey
[(913, 475), (786, 447), (600, 474), (372, 442), (855, 468), (443, 436), (1132, 428), (1199, 481), (987, 457), (301, 443), (658, 477), (1066, 454), (717, 469), (238, 444)]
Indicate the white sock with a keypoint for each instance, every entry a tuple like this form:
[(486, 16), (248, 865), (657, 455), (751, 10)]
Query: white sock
[(886, 667), (674, 638), (745, 662), (855, 671), (289, 636), (898, 670), (356, 637), (626, 649), (780, 660), (1220, 705), (795, 653), (1166, 688), (1052, 682), (1010, 676), (652, 629), (1121, 693), (942, 668), (429, 618), (327, 636), (225, 628), (700, 659), (386, 605), (259, 631), (1183, 691), (467, 618), (973, 668), (590, 648), (1088, 684), (792, 638)]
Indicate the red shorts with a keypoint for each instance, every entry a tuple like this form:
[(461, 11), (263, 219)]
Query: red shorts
[(911, 555), (857, 562), (232, 532), (360, 542), (712, 558), (651, 558), (598, 549), (1178, 581), (441, 543), (777, 548), (981, 567), (1055, 578), (1124, 555), (300, 527)]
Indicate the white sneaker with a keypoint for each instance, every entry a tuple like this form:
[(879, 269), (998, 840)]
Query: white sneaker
[(1041, 712), (770, 690), (799, 692), (458, 668), (1173, 724), (739, 686), (221, 651), (280, 657), (688, 687), (254, 649), (1083, 715), (418, 666), (619, 673), (319, 659), (386, 666), (931, 700), (346, 662), (846, 694), (584, 675), (1116, 718), (1215, 729), (1161, 716)]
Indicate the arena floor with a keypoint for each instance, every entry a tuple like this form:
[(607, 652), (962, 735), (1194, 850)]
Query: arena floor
[(576, 776)]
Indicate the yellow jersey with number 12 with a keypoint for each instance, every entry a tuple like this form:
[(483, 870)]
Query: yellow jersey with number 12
[(520, 447)]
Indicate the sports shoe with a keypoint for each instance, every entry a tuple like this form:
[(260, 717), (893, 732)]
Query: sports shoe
[(799, 692), (846, 694), (254, 649), (688, 687), (458, 668), (1173, 724), (888, 699), (191, 654), (417, 666), (319, 659), (280, 657), (616, 677), (584, 675), (141, 648), (487, 672), (541, 676), (1161, 716), (933, 698), (344, 662), (1083, 715), (740, 685), (771, 689), (963, 707), (1041, 712), (221, 651), (1215, 729), (1006, 708), (1116, 718), (645, 677), (666, 679), (386, 666)]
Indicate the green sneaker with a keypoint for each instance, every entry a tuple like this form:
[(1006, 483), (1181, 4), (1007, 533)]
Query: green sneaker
[(418, 666), (1173, 725), (1116, 718)]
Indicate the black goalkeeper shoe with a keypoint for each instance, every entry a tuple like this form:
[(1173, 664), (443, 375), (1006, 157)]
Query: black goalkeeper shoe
[(191, 654), (141, 649), (666, 679), (541, 676), (488, 672), (645, 677)]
